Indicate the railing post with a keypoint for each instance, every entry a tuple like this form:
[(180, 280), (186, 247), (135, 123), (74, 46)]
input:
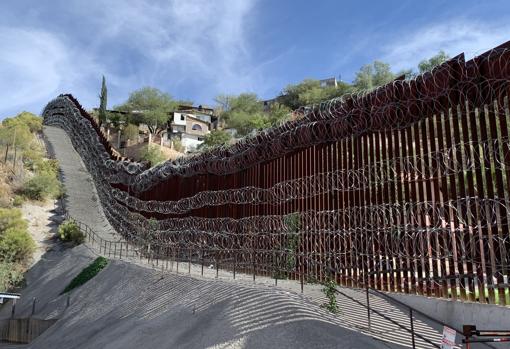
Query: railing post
[(368, 306), (189, 264), (253, 265), (13, 309), (167, 257), (202, 261), (217, 264), (412, 327), (120, 252), (235, 263), (110, 250), (177, 260), (33, 306)]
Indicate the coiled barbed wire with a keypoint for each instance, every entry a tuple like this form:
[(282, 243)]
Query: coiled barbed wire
[(469, 229)]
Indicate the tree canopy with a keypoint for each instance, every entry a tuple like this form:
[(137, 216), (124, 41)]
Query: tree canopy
[(215, 138), (33, 121), (373, 75), (149, 106), (429, 64), (309, 92), (131, 132), (246, 113), (18, 130)]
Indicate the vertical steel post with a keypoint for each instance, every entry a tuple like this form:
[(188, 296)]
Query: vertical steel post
[(368, 307), (13, 309), (412, 327)]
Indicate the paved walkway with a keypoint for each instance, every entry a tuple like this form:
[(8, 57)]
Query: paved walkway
[(82, 201)]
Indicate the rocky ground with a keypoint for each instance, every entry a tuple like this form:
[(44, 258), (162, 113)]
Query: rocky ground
[(42, 225)]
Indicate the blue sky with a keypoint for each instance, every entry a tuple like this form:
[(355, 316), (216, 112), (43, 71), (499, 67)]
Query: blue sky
[(197, 49)]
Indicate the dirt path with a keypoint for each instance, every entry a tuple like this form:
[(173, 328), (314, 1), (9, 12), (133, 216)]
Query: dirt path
[(41, 225)]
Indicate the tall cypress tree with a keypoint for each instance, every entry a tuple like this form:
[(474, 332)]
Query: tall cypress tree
[(102, 103)]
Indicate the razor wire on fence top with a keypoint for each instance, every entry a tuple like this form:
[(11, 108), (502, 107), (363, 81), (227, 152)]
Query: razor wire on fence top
[(405, 188)]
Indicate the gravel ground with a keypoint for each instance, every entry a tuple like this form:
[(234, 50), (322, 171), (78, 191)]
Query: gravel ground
[(42, 225)]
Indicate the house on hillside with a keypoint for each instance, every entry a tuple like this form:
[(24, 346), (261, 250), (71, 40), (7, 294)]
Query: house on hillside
[(190, 125), (329, 82)]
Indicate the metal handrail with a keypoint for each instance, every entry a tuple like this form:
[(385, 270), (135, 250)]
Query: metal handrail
[(412, 311)]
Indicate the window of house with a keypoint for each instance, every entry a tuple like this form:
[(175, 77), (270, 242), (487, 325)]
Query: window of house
[(196, 127), (183, 117)]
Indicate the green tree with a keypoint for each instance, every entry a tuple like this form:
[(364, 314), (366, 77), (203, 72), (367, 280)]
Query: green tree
[(103, 98), (295, 96), (215, 138), (373, 75), (245, 114), (153, 154), (149, 106), (429, 64), (32, 121), (16, 134), (310, 92), (278, 113), (131, 132)]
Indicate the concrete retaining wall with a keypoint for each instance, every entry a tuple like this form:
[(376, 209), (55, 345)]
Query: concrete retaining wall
[(456, 314)]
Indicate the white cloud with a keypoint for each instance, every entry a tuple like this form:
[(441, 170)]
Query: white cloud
[(29, 66), (35, 66), (199, 44), (197, 41), (459, 35)]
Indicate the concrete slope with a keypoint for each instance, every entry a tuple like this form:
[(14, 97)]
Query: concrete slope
[(82, 201), (128, 306)]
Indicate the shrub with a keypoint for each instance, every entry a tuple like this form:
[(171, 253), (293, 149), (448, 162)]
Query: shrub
[(178, 145), (329, 290), (86, 274), (41, 187), (18, 201), (152, 154), (48, 166), (16, 245), (69, 231), (5, 194), (131, 132), (11, 275), (11, 218)]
